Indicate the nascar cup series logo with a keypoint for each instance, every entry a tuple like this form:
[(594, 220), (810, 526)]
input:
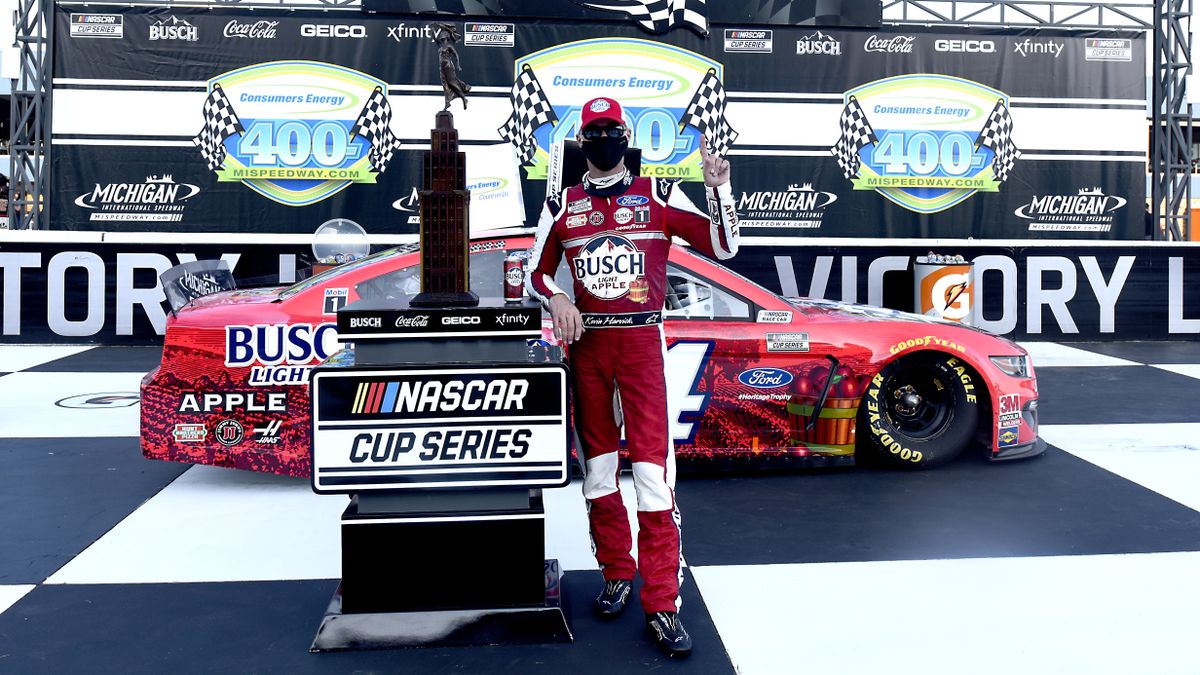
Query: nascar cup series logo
[(609, 266), (296, 132), (926, 142), (654, 82)]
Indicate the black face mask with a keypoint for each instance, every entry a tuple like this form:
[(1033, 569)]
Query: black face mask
[(605, 153)]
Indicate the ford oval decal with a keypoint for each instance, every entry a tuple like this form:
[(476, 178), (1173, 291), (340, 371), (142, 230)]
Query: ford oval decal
[(632, 200), (765, 378)]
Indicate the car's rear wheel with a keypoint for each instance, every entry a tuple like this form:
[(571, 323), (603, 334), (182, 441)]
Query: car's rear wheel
[(919, 411)]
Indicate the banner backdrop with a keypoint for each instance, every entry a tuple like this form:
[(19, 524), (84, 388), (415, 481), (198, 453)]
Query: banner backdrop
[(228, 120), (90, 291)]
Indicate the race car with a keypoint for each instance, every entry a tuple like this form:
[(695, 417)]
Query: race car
[(754, 379)]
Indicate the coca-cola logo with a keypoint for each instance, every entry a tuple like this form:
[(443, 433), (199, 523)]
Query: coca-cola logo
[(898, 44), (261, 30), (419, 321)]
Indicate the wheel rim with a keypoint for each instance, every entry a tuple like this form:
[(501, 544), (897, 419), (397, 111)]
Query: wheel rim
[(919, 401)]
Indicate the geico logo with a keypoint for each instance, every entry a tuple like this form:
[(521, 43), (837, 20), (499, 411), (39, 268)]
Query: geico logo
[(459, 320), (273, 344), (968, 46), (336, 30), (456, 444), (230, 401), (366, 322)]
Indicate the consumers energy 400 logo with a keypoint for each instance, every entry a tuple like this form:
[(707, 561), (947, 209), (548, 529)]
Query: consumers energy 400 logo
[(654, 82), (926, 142), (296, 132)]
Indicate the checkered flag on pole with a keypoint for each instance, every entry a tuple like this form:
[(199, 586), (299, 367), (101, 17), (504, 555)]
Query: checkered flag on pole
[(856, 134), (530, 110), (657, 16), (374, 123), (220, 122), (997, 135), (706, 112)]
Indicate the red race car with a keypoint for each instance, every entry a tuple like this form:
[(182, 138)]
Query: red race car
[(753, 378)]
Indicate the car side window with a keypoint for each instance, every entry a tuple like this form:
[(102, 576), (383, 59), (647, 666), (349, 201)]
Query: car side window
[(690, 297), (487, 279)]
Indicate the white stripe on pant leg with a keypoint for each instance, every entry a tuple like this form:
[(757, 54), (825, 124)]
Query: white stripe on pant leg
[(653, 493), (600, 475)]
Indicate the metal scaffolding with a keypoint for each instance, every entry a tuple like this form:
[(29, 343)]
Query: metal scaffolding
[(30, 108), (1068, 14), (1171, 136)]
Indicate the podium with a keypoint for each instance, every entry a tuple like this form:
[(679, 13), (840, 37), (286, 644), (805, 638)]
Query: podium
[(444, 427)]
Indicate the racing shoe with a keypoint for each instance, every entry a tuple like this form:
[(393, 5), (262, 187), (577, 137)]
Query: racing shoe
[(611, 600), (669, 634)]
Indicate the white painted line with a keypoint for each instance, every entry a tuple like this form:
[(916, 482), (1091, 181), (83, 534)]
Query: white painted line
[(1052, 354), (20, 357), (1188, 369), (28, 410), (9, 595)]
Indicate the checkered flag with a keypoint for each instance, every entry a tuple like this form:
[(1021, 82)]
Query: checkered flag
[(706, 112), (220, 122), (374, 123), (997, 135), (856, 134), (657, 16), (530, 110)]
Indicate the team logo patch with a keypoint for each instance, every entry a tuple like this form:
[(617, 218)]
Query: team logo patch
[(623, 216), (596, 218), (229, 432), (335, 299), (577, 220), (641, 214), (600, 105), (609, 265), (632, 200), (765, 378), (190, 433), (580, 205)]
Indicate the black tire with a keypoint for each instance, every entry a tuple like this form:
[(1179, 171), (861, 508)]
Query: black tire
[(920, 411)]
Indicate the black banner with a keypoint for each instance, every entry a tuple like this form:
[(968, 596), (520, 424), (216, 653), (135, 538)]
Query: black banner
[(56, 292), (228, 120)]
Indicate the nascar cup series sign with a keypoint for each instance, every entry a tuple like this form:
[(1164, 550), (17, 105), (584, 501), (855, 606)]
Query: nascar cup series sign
[(296, 132), (422, 428), (926, 142), (655, 83)]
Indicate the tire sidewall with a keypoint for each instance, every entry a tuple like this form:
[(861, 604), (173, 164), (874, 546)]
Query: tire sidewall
[(900, 450)]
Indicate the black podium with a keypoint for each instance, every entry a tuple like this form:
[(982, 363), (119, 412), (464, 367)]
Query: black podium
[(443, 424)]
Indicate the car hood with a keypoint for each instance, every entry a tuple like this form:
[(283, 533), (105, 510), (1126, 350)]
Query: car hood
[(247, 296)]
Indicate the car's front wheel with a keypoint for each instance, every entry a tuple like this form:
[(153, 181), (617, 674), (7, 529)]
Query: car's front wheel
[(919, 411)]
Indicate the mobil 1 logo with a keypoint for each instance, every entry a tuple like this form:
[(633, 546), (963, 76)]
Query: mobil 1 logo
[(430, 428)]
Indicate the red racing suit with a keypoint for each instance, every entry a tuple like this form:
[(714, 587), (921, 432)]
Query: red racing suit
[(616, 248)]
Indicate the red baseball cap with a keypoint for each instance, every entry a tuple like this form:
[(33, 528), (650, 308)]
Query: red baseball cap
[(599, 109)]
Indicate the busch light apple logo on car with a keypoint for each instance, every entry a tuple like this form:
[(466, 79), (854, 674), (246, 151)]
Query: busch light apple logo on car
[(296, 132), (926, 142), (608, 265), (765, 378), (654, 82), (279, 353)]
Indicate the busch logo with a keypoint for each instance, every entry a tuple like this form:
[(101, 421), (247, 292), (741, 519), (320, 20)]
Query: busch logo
[(173, 28), (607, 264), (421, 321), (514, 276), (1089, 211), (366, 322), (259, 30), (818, 44), (279, 343), (899, 44), (765, 378)]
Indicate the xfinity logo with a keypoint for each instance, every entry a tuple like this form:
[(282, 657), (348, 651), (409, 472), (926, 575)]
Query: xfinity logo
[(899, 44), (512, 319), (1028, 47), (402, 31), (339, 30), (965, 46), (173, 28), (460, 320), (258, 30)]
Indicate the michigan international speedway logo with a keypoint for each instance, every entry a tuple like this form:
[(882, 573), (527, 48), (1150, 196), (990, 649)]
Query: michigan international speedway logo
[(296, 132), (926, 142), (657, 85)]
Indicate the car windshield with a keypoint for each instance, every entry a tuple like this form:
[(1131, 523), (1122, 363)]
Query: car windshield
[(342, 269), (750, 282)]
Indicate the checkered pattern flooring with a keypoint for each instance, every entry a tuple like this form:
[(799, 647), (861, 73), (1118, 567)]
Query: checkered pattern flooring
[(1082, 561)]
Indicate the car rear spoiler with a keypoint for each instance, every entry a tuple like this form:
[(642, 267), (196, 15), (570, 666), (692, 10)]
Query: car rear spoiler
[(184, 283)]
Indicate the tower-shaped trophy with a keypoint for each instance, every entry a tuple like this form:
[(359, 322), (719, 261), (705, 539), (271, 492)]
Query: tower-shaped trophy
[(445, 234)]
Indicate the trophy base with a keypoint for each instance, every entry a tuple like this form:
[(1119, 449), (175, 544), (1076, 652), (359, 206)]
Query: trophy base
[(445, 299)]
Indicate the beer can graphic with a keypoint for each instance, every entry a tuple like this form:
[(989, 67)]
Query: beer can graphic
[(514, 276), (945, 290), (639, 290)]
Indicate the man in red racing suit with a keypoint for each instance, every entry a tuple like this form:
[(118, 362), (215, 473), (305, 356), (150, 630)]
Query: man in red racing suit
[(615, 230)]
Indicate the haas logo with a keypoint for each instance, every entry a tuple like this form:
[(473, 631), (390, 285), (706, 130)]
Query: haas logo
[(608, 264)]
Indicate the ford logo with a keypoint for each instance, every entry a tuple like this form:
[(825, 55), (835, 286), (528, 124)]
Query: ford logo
[(632, 200), (765, 378)]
